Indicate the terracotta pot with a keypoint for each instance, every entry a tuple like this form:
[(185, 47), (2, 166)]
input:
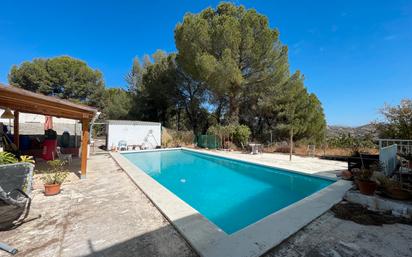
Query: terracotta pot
[(397, 193), (52, 189), (346, 174), (366, 187)]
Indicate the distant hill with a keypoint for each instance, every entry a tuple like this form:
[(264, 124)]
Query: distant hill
[(360, 131)]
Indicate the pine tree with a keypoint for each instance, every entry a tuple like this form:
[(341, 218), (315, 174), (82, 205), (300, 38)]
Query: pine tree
[(293, 104), (134, 77), (232, 50)]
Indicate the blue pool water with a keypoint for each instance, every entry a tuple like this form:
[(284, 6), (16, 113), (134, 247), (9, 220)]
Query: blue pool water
[(232, 194)]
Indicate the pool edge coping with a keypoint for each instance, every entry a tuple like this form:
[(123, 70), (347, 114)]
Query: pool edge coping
[(254, 240)]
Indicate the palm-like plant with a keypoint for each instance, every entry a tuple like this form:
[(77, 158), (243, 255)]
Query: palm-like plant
[(27, 158), (7, 158)]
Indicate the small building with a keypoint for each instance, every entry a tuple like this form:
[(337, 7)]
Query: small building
[(135, 134)]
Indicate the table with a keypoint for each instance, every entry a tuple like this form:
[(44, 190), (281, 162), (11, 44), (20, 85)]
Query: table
[(255, 148)]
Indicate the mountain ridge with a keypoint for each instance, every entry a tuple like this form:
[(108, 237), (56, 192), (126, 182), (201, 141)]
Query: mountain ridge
[(356, 131)]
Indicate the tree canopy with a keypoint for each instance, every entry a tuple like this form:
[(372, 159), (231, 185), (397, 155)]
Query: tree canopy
[(397, 122), (64, 76), (232, 50), (135, 76), (230, 71), (230, 68), (118, 104), (169, 95)]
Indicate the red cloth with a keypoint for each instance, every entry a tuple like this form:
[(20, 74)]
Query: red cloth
[(49, 149), (48, 123)]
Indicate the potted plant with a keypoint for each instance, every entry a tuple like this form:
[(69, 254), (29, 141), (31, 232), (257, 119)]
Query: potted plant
[(27, 158), (408, 157), (393, 189), (363, 180), (54, 177), (7, 158)]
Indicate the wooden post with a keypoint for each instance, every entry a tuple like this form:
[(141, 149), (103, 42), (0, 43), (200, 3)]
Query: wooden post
[(16, 135), (85, 141)]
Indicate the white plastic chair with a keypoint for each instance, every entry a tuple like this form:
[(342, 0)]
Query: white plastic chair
[(311, 151), (122, 145)]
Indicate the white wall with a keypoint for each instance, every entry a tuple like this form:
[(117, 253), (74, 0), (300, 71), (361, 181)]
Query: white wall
[(136, 134), (36, 118), (33, 124)]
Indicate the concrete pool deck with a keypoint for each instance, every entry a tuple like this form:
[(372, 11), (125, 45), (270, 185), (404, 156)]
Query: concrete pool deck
[(308, 165), (102, 215), (254, 240), (107, 215)]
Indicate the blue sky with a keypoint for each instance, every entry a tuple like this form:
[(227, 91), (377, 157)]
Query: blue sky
[(356, 55)]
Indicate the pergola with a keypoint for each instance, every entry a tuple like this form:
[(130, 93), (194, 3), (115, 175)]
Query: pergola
[(21, 100)]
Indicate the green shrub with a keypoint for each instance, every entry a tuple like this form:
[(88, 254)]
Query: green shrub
[(7, 158), (349, 141), (239, 134)]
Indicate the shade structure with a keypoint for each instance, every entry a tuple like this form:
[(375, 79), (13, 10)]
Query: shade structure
[(20, 100), (48, 123)]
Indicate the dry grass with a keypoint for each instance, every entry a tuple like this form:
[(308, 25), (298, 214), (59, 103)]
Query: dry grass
[(173, 138), (303, 150)]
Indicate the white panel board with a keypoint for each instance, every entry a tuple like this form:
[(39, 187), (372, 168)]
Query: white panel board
[(387, 156), (148, 135)]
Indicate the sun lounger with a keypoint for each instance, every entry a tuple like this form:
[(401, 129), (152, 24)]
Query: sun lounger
[(15, 187)]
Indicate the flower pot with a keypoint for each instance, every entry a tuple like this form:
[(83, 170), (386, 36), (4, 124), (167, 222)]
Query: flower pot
[(366, 187), (346, 174), (52, 189), (397, 193)]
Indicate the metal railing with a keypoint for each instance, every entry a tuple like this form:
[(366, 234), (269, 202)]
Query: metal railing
[(404, 146)]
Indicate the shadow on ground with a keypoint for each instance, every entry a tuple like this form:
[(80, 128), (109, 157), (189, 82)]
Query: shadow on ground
[(157, 243)]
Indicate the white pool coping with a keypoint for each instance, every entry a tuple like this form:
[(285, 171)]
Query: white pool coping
[(208, 240)]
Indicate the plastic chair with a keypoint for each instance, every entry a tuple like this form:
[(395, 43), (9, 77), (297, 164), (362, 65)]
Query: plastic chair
[(122, 145)]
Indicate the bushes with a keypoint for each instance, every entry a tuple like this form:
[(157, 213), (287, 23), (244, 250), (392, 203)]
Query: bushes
[(241, 135), (238, 134), (9, 158), (349, 141), (167, 139), (173, 138), (353, 144)]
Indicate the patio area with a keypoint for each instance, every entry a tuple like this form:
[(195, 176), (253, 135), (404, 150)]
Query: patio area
[(309, 165), (107, 215), (103, 215)]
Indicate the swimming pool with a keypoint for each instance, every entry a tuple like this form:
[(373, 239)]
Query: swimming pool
[(231, 194)]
